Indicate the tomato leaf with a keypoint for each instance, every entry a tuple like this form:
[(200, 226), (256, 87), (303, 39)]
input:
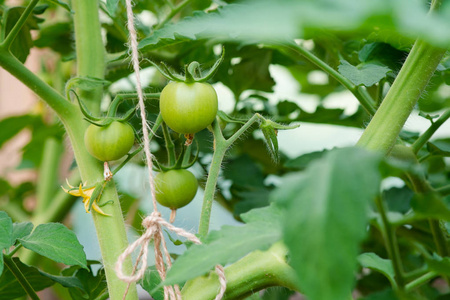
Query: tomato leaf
[(21, 230), (6, 231), (439, 264), (366, 74), (23, 42), (111, 6), (430, 205), (374, 262), (151, 283), (56, 242), (10, 288), (325, 218), (228, 245), (63, 4), (14, 124)]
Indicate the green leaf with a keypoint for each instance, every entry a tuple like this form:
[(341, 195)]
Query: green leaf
[(86, 83), (111, 6), (301, 162), (430, 205), (21, 230), (1, 262), (228, 245), (10, 288), (65, 281), (15, 125), (270, 137), (374, 262), (94, 287), (435, 150), (6, 230), (441, 265), (58, 37), (366, 74), (325, 218), (55, 241), (23, 42), (63, 4), (151, 283)]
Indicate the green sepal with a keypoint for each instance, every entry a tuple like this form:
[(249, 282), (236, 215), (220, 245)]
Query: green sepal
[(84, 109), (270, 136), (229, 119), (164, 70), (214, 68), (96, 193)]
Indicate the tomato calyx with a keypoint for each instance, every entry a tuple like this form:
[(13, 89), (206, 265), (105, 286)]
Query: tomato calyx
[(182, 161), (192, 71)]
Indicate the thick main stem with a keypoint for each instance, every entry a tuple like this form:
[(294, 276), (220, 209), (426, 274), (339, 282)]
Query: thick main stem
[(111, 231), (385, 126)]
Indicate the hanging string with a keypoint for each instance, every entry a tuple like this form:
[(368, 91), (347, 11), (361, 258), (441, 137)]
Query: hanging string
[(153, 224)]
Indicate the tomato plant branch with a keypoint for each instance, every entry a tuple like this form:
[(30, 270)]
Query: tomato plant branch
[(11, 265), (18, 26), (421, 141), (221, 145), (293, 50), (256, 271), (110, 230), (220, 148), (382, 132), (391, 245)]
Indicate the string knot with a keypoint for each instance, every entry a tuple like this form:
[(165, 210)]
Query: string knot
[(153, 219)]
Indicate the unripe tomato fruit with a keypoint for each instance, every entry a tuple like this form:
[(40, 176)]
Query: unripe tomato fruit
[(188, 107), (175, 188), (109, 142)]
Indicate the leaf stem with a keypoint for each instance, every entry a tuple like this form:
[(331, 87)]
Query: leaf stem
[(391, 244), (6, 44), (419, 281), (361, 94), (421, 141), (221, 145), (11, 265)]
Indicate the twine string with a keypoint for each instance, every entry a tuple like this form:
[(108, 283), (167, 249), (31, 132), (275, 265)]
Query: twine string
[(153, 224)]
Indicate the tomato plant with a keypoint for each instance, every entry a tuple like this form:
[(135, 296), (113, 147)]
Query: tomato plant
[(353, 200), (109, 142), (175, 188), (188, 107)]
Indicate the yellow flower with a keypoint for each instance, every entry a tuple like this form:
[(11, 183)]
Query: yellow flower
[(86, 194)]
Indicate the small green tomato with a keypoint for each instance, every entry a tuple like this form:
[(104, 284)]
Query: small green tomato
[(109, 142), (175, 188)]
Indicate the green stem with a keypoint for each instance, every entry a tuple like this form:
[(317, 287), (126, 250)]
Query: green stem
[(421, 141), (220, 148), (293, 50), (382, 132), (256, 271), (420, 281), (11, 265), (48, 174), (6, 44), (444, 191), (391, 245), (111, 231)]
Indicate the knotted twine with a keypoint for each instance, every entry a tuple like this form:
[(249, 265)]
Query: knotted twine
[(153, 224)]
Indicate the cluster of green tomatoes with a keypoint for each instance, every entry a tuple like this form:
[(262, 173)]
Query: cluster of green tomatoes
[(187, 106)]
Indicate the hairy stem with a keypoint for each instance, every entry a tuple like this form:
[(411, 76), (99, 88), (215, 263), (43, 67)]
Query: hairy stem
[(384, 128), (111, 231), (256, 271)]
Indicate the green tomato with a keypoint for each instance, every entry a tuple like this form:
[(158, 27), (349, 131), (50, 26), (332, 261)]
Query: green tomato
[(109, 142), (188, 107), (175, 188)]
